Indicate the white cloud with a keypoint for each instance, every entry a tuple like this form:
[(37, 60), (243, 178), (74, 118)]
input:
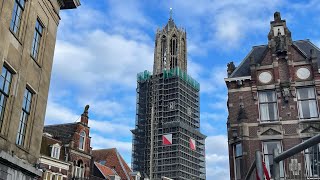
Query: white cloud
[(217, 157), (58, 114), (104, 108), (100, 58), (214, 81), (100, 142), (194, 69), (129, 11), (115, 130)]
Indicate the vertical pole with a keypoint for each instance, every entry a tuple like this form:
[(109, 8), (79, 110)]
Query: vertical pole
[(259, 165), (151, 139), (276, 165)]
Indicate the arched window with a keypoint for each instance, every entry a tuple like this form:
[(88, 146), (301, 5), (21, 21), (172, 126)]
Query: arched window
[(82, 140), (173, 51), (163, 52)]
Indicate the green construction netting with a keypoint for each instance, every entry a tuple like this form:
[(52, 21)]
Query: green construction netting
[(169, 73), (177, 72), (145, 75)]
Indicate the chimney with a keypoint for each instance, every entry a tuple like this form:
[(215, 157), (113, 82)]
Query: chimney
[(84, 115)]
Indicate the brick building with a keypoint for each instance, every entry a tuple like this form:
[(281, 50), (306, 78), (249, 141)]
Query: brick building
[(273, 101), (73, 142), (53, 158), (112, 159), (28, 30)]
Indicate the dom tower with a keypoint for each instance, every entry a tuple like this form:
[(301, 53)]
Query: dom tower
[(167, 142)]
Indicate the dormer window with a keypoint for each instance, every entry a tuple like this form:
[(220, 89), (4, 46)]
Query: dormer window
[(82, 140), (55, 151)]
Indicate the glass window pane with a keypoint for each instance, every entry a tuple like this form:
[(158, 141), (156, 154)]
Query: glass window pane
[(6, 87), (1, 82), (264, 112), (9, 76), (238, 150), (21, 2), (3, 72), (28, 106), (1, 100)]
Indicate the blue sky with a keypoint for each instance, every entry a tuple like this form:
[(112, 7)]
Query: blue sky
[(103, 44)]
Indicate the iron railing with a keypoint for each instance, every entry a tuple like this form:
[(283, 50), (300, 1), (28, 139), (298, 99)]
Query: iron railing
[(301, 162)]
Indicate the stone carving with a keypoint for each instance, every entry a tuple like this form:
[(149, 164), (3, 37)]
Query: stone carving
[(286, 94), (242, 113), (277, 16), (231, 68), (280, 43), (270, 132), (85, 112), (310, 129)]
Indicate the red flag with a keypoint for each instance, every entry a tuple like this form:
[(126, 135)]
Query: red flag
[(265, 172), (167, 139), (192, 144)]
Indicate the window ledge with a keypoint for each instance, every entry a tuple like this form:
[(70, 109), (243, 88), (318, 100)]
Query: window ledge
[(16, 36), (309, 120), (269, 122), (22, 148), (35, 60), (3, 137)]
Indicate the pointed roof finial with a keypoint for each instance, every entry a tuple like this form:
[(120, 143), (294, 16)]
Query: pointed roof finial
[(170, 13)]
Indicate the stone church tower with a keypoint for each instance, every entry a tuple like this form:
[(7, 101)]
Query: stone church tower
[(167, 142), (170, 48)]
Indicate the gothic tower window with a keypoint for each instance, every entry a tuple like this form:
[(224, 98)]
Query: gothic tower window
[(173, 52), (163, 52), (183, 48)]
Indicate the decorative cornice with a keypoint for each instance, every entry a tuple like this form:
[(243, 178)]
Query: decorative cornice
[(54, 162), (80, 154), (237, 78)]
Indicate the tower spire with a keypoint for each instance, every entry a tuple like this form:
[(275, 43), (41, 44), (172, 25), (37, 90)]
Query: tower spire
[(170, 13)]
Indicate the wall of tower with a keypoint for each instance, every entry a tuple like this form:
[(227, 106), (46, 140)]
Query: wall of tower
[(170, 49), (175, 103)]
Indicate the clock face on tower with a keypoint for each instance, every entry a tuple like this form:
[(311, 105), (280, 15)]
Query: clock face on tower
[(303, 73), (265, 77)]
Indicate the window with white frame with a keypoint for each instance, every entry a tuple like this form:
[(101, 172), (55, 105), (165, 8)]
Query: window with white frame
[(238, 160), (312, 165), (52, 176), (55, 151), (79, 170), (307, 103), (82, 140), (268, 148), (268, 106)]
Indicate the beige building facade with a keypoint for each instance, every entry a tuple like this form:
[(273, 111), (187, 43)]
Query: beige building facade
[(28, 30)]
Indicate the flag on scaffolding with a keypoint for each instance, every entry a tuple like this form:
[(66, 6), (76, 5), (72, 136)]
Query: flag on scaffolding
[(167, 139), (192, 144), (265, 172)]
